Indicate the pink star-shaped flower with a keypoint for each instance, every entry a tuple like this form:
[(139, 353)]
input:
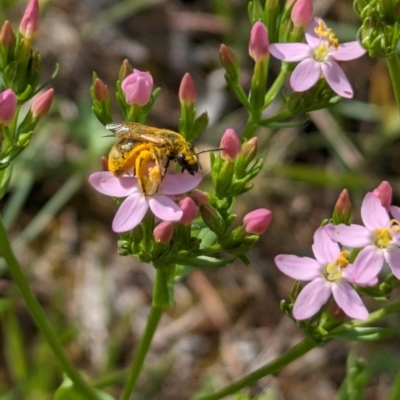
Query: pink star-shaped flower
[(318, 57), (329, 273), (135, 206)]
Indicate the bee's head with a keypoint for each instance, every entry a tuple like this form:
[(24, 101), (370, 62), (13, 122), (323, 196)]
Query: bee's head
[(188, 162)]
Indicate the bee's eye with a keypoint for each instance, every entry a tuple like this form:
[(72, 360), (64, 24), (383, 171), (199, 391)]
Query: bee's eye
[(183, 162)]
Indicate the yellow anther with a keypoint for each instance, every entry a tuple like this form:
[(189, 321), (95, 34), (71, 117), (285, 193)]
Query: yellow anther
[(333, 41), (383, 237), (334, 269), (394, 225), (321, 30)]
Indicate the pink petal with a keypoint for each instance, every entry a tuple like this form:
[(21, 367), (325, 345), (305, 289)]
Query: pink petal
[(300, 268), (311, 298), (395, 211), (130, 213), (324, 248), (336, 79), (311, 37), (349, 301), (352, 236), (165, 208), (305, 75), (366, 266), (107, 183), (179, 183), (373, 214), (348, 51), (392, 256), (290, 51)]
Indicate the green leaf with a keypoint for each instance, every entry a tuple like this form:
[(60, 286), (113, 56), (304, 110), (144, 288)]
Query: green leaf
[(67, 391), (367, 334), (206, 262)]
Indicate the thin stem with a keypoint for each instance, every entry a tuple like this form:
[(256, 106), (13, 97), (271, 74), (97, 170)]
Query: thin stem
[(249, 129), (276, 86), (39, 317), (293, 354), (394, 70), (153, 319)]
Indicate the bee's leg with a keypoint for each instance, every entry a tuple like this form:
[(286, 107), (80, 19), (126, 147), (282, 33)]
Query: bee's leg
[(141, 163)]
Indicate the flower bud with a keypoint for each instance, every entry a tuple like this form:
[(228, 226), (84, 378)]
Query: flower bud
[(41, 105), (137, 87), (302, 13), (249, 148), (187, 90), (199, 197), (229, 61), (100, 90), (384, 192), (7, 37), (104, 163), (163, 232), (8, 104), (230, 145), (259, 44), (342, 210), (125, 70), (29, 26), (257, 221), (189, 208)]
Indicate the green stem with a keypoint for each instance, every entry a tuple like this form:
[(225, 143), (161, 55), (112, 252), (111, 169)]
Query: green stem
[(394, 70), (153, 319), (293, 354), (276, 86), (249, 129), (39, 317)]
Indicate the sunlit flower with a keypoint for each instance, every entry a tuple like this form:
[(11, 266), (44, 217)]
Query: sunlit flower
[(379, 238), (137, 87), (329, 273), (318, 57), (135, 206)]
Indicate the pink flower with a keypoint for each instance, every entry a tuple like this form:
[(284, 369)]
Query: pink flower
[(379, 238), (257, 221), (302, 13), (329, 273), (137, 87), (318, 57), (8, 104), (230, 145), (41, 105), (29, 26), (384, 192), (135, 206), (187, 90), (259, 44)]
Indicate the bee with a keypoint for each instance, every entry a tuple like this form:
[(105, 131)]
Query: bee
[(140, 145)]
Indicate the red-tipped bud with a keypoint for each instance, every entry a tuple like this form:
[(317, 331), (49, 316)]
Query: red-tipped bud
[(7, 37), (342, 211), (163, 232), (302, 13), (187, 90), (125, 70), (8, 104), (227, 57), (384, 192), (104, 163), (249, 148), (137, 87), (230, 145), (189, 208), (41, 105), (100, 90), (199, 197), (257, 221), (29, 26), (259, 44)]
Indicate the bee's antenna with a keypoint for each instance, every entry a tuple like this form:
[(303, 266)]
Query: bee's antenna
[(207, 151)]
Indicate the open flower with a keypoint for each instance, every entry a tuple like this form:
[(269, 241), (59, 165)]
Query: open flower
[(135, 206), (329, 273), (318, 57), (379, 238)]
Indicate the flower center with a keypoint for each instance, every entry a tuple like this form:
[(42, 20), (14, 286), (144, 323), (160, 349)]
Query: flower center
[(383, 236), (328, 42), (333, 270)]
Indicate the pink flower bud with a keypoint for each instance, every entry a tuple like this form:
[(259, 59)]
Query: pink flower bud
[(249, 148), (8, 104), (137, 87), (259, 44), (227, 57), (199, 197), (29, 26), (384, 192), (189, 208), (187, 90), (125, 70), (342, 209), (302, 13), (104, 163), (230, 145), (100, 90), (163, 232), (41, 105), (257, 221), (7, 37)]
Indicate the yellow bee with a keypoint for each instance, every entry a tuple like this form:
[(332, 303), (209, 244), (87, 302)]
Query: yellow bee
[(140, 145)]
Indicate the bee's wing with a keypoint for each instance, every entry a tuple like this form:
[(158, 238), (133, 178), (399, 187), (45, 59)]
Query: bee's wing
[(138, 132)]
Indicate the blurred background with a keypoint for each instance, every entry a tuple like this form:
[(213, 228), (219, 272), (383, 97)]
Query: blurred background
[(225, 322)]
